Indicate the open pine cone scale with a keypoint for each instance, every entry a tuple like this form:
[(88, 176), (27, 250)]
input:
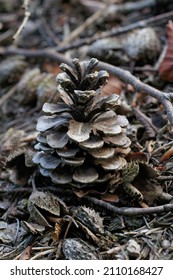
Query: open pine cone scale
[(82, 142)]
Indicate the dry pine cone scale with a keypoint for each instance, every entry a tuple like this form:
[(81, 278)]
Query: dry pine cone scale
[(82, 142)]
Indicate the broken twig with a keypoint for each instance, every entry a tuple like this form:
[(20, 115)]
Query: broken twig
[(129, 211), (165, 98), (24, 22)]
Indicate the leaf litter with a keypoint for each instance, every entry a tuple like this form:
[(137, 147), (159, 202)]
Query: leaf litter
[(50, 223)]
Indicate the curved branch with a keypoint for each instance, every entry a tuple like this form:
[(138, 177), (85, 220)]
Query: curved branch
[(164, 98), (131, 211)]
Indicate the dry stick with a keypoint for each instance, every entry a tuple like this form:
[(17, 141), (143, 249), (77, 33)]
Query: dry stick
[(117, 31), (43, 253), (106, 11), (82, 27), (24, 22), (165, 178), (164, 98), (43, 53), (127, 211), (56, 189), (131, 211), (129, 7), (163, 147)]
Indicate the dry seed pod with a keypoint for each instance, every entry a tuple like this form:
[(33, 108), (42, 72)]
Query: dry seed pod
[(90, 218), (142, 44), (133, 192), (130, 171), (79, 135), (19, 164), (40, 203), (77, 249)]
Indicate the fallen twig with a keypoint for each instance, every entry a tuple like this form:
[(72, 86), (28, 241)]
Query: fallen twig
[(126, 211), (131, 211), (82, 27), (24, 22), (107, 11), (165, 178), (44, 53), (165, 98)]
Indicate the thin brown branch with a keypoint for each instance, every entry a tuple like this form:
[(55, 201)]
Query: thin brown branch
[(126, 211), (129, 7), (131, 211), (107, 11), (56, 189), (82, 27), (25, 19), (165, 178), (163, 97), (49, 53)]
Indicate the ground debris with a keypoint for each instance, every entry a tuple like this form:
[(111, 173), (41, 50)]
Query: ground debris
[(131, 221)]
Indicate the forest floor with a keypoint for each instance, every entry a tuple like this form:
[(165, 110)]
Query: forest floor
[(133, 41)]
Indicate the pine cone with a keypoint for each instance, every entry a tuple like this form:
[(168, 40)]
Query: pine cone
[(82, 142)]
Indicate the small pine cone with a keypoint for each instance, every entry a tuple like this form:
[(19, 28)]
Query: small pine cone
[(82, 142)]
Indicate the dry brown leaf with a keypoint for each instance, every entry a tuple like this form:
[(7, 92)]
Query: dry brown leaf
[(89, 233), (109, 197), (42, 204), (166, 67), (143, 205), (26, 253), (137, 156), (58, 229), (33, 227), (51, 67), (114, 85)]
